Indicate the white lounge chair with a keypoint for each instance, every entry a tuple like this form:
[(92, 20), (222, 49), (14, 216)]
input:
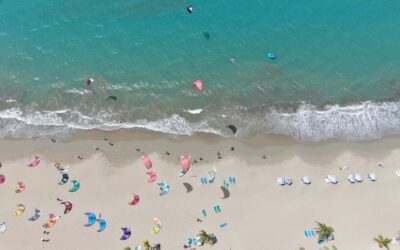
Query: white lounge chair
[(372, 177), (306, 180), (351, 178), (280, 181), (358, 177)]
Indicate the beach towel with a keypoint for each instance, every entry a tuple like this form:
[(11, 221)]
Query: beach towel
[(223, 225)]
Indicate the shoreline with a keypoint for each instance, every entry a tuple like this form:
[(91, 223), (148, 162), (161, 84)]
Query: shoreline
[(258, 211)]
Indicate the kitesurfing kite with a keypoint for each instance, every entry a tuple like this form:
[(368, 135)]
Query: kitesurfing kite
[(157, 226), (126, 233), (189, 188), (91, 219), (153, 177), (233, 128), (226, 192), (2, 178), (164, 188), (190, 9), (52, 221), (68, 206), (65, 178), (20, 210), (147, 162), (35, 216), (135, 200), (102, 224), (21, 187), (76, 186), (35, 161), (89, 81), (185, 162), (2, 228), (198, 84)]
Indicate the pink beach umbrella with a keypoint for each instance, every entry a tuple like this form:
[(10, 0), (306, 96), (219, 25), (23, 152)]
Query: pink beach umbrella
[(89, 81), (198, 84), (2, 178), (153, 177), (147, 162), (185, 162)]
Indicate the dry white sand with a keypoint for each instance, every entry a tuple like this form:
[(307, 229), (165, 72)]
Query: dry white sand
[(260, 214)]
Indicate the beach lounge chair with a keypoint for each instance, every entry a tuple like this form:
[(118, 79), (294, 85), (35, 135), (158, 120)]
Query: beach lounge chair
[(309, 233), (306, 180), (223, 225), (204, 212), (372, 177), (280, 181), (232, 180), (358, 177), (351, 178), (217, 209), (203, 180), (288, 181)]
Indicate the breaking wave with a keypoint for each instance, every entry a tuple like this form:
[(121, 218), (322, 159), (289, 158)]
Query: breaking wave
[(306, 123)]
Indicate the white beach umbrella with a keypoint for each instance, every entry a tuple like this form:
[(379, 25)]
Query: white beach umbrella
[(306, 180), (358, 177), (351, 178), (280, 181), (2, 228), (372, 176), (288, 181), (333, 179)]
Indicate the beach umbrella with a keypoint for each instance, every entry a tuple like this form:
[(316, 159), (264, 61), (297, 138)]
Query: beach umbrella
[(351, 178), (280, 181), (306, 180), (153, 176), (288, 181), (126, 233), (102, 224), (68, 206), (358, 177), (372, 176), (52, 221), (157, 226), (64, 179), (75, 187), (198, 84), (20, 210), (2, 178), (211, 175), (2, 228), (35, 216), (135, 200), (91, 219), (21, 187), (147, 162)]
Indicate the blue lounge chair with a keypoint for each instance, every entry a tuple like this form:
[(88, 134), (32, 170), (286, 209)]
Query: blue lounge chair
[(309, 233)]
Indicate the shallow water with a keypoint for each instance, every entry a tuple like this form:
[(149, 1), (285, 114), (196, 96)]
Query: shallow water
[(148, 53)]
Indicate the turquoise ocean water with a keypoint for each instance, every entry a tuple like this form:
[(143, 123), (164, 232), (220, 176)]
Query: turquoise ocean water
[(337, 72)]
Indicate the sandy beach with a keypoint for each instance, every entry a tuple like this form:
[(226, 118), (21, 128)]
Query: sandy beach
[(259, 214)]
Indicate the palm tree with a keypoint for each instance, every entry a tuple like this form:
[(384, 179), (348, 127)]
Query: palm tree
[(325, 233), (207, 238), (302, 248), (204, 236), (146, 245), (127, 248), (383, 242)]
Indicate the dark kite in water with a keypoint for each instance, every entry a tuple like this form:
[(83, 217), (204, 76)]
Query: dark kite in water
[(233, 128)]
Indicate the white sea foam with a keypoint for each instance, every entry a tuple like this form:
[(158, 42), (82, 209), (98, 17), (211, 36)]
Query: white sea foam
[(194, 111), (365, 121)]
